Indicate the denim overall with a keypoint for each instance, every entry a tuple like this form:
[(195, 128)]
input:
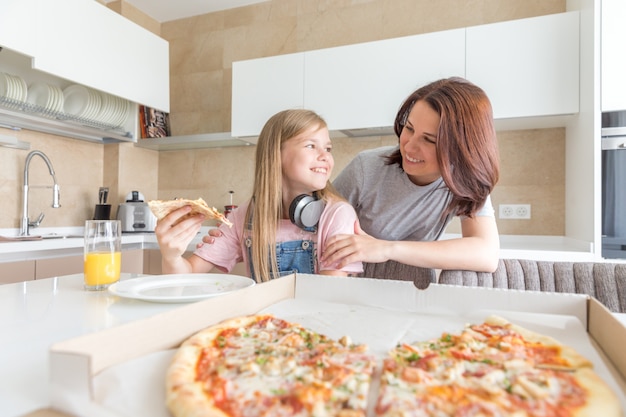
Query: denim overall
[(291, 256)]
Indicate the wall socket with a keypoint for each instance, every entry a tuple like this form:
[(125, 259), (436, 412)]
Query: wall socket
[(514, 211)]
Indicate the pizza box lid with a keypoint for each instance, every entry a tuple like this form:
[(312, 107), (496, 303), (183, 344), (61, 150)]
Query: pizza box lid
[(77, 363)]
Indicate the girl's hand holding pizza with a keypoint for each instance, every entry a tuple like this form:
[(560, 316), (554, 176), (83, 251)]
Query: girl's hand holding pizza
[(174, 235)]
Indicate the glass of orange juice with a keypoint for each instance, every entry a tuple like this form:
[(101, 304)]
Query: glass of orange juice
[(103, 253)]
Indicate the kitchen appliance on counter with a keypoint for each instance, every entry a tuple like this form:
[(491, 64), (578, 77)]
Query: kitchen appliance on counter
[(135, 214), (102, 210), (614, 185)]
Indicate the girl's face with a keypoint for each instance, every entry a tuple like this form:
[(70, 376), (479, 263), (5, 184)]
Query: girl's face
[(307, 162), (418, 144)]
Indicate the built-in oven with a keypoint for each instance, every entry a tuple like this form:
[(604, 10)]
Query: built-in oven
[(614, 185)]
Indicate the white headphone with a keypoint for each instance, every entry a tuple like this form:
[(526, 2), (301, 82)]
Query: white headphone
[(305, 211)]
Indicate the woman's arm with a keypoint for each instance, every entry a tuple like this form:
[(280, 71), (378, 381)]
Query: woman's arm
[(477, 250)]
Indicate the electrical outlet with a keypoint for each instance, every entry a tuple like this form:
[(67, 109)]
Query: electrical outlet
[(514, 211)]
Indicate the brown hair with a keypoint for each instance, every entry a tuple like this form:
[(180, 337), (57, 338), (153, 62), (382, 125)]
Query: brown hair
[(467, 146), (265, 208)]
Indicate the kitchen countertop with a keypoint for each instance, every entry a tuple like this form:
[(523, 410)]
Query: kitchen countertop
[(548, 248), (36, 314), (68, 241)]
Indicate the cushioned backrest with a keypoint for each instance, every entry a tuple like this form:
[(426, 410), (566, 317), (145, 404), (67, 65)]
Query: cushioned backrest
[(604, 281), (421, 277)]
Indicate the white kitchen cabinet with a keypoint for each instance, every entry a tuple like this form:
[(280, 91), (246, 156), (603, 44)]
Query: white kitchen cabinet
[(613, 59), (14, 33), (81, 42), (357, 86), (263, 87), (89, 44), (527, 67), (362, 86)]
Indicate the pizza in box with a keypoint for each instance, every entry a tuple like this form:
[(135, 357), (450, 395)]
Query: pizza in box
[(262, 365)]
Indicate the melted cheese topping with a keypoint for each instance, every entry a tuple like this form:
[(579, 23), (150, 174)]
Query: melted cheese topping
[(487, 370), (276, 368)]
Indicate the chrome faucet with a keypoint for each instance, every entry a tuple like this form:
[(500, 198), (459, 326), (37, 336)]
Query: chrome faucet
[(26, 224)]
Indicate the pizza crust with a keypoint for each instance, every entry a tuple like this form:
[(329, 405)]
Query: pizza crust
[(602, 401), (161, 208), (574, 359)]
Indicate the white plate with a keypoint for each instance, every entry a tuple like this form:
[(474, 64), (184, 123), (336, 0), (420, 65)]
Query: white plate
[(179, 288)]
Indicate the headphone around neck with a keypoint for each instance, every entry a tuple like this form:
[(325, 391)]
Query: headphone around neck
[(305, 211)]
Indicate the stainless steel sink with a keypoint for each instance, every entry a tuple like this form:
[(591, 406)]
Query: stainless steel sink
[(60, 236)]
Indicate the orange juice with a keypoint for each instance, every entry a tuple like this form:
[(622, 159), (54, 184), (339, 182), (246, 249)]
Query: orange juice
[(102, 268)]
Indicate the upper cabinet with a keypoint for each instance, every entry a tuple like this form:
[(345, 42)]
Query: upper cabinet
[(354, 87), (527, 67), (15, 31), (81, 42), (361, 86), (89, 44), (263, 87), (613, 59)]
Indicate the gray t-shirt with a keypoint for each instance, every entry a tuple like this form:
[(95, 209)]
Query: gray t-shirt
[(389, 205)]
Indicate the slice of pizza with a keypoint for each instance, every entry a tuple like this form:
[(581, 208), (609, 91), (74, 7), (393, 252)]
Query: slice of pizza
[(262, 365), (161, 208), (492, 369)]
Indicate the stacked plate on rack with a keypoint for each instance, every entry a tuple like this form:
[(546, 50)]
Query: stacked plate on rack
[(13, 87), (81, 102), (114, 110), (87, 103), (47, 96)]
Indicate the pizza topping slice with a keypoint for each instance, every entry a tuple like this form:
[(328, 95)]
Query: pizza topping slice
[(263, 365), (491, 369), (161, 208)]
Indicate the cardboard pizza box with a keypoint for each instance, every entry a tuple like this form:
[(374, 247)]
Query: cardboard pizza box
[(119, 361)]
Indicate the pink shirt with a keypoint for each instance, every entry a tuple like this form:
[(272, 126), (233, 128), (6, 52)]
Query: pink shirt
[(228, 250)]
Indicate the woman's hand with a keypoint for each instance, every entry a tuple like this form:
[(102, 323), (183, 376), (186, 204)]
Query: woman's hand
[(174, 240), (342, 250)]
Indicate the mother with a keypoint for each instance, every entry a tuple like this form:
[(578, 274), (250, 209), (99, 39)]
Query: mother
[(445, 165)]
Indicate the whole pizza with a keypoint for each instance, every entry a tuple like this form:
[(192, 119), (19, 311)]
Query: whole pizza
[(265, 366)]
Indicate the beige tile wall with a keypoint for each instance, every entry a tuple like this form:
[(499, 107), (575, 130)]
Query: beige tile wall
[(78, 167), (202, 50)]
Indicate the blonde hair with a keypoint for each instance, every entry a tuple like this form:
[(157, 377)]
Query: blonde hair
[(265, 208)]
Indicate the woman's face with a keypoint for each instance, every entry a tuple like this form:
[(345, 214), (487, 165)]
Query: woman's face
[(418, 144), (307, 162)]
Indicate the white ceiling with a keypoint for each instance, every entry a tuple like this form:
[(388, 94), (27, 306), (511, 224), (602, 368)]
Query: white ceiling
[(166, 10)]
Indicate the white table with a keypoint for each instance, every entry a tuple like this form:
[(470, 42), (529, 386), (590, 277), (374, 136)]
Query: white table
[(36, 314)]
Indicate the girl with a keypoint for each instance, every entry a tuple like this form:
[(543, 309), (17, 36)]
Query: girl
[(293, 211)]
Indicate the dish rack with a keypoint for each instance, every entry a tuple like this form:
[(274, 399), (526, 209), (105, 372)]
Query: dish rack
[(35, 110), (15, 114)]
